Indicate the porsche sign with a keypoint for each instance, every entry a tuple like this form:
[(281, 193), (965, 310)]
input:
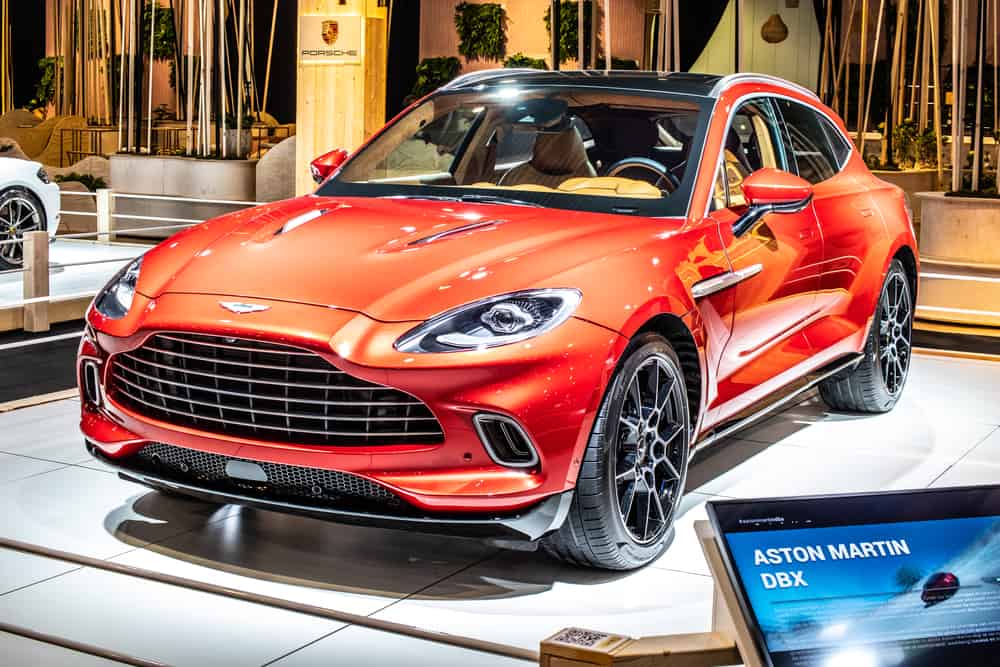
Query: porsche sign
[(330, 39)]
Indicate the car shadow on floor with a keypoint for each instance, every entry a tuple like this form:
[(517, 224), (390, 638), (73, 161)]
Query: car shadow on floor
[(312, 553), (317, 554)]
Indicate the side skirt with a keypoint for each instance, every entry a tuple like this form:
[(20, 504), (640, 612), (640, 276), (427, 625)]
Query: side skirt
[(777, 401)]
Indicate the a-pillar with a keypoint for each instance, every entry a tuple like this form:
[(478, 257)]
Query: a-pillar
[(342, 48)]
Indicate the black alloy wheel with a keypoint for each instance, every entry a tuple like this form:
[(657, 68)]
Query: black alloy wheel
[(894, 332), (634, 467)]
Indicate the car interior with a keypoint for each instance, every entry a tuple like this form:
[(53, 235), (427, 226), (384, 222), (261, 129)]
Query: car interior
[(624, 147)]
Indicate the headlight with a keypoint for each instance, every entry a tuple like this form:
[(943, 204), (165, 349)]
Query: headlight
[(498, 320), (115, 299), (43, 176)]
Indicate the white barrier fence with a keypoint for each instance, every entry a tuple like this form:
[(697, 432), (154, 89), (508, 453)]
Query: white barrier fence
[(37, 269)]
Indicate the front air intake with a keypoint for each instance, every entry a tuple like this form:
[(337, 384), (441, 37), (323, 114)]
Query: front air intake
[(91, 376), (505, 441)]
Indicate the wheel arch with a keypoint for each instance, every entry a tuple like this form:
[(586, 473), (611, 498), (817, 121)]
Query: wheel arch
[(680, 337), (908, 259)]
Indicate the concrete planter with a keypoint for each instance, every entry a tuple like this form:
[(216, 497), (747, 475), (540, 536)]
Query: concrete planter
[(960, 259), (230, 180)]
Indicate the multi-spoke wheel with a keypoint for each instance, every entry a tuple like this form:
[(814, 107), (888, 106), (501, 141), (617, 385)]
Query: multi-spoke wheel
[(894, 330), (651, 449), (634, 467), (876, 383), (20, 213)]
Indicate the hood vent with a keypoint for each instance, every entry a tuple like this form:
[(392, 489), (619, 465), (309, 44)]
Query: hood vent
[(300, 220), (456, 230)]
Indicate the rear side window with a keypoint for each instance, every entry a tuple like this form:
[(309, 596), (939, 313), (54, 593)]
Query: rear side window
[(841, 146), (810, 147)]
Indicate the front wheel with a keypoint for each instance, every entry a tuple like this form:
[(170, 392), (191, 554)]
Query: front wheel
[(20, 212), (876, 383), (632, 476)]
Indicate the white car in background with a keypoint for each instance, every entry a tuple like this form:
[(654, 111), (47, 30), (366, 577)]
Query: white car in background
[(29, 202)]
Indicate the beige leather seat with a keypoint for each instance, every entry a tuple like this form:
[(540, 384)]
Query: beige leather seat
[(557, 157)]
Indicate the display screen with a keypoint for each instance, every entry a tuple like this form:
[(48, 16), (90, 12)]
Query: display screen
[(874, 580)]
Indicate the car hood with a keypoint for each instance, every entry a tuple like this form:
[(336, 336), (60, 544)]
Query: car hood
[(392, 259)]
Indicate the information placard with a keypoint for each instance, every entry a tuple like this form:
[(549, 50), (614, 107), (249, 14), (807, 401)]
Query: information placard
[(901, 579)]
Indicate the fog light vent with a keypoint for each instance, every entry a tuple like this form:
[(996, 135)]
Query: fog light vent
[(505, 441), (92, 383)]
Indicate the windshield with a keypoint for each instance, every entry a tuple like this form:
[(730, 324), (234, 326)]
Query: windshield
[(574, 148)]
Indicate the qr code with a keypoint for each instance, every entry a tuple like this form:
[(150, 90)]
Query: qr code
[(579, 637)]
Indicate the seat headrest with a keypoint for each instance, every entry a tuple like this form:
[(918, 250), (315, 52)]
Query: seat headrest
[(559, 153)]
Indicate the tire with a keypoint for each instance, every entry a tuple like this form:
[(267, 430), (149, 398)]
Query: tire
[(876, 383), (599, 532), (20, 212)]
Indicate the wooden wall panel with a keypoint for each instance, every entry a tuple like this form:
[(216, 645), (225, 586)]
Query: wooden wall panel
[(338, 103)]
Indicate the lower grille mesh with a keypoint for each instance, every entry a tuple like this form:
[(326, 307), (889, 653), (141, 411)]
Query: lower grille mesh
[(208, 471)]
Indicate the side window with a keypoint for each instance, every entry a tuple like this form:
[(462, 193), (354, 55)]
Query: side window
[(841, 146), (812, 154), (751, 144)]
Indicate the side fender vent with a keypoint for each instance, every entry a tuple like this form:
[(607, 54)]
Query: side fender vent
[(505, 441)]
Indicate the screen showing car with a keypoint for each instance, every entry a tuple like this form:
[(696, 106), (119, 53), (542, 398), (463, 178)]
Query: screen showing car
[(875, 580)]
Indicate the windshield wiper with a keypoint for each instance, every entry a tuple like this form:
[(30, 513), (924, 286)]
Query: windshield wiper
[(469, 198), (497, 199)]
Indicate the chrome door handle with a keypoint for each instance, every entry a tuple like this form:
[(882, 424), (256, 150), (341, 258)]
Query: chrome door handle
[(709, 286)]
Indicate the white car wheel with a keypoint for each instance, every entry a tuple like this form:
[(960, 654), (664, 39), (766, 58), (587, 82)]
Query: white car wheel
[(20, 212)]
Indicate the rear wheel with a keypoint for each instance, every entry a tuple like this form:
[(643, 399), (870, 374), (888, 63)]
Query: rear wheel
[(632, 476), (20, 212), (876, 383)]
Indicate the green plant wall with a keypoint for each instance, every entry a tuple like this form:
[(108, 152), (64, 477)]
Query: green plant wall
[(432, 73), (569, 14), (482, 31)]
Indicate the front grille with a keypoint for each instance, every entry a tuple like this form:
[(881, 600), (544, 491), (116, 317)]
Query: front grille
[(207, 470), (264, 391)]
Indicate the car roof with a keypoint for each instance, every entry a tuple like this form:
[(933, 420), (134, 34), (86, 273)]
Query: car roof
[(682, 83)]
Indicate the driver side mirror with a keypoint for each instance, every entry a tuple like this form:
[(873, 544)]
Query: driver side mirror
[(772, 191), (326, 164)]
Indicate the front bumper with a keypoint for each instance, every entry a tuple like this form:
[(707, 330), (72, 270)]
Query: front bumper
[(552, 386), (527, 525)]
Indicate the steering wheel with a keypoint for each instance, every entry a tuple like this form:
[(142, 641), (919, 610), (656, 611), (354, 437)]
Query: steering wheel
[(664, 179)]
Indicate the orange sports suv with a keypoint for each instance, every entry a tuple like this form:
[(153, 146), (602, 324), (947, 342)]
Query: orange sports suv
[(513, 313)]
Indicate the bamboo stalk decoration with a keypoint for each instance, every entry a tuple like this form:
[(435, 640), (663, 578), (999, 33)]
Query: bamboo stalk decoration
[(842, 63), (925, 55), (241, 44), (996, 91), (862, 70), (977, 137), (863, 128), (607, 35), (956, 121), (270, 53), (932, 10), (579, 33), (189, 46)]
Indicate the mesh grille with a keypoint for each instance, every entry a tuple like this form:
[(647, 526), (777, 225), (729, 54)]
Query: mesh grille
[(209, 470), (263, 391)]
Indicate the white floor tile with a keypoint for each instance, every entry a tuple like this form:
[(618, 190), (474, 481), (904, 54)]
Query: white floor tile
[(347, 568), (18, 569), (24, 652), (13, 467), (159, 622), (744, 469), (346, 647), (92, 513), (519, 599), (49, 431), (685, 553)]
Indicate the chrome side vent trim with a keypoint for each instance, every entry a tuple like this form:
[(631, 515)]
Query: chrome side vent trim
[(723, 281), (505, 441)]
